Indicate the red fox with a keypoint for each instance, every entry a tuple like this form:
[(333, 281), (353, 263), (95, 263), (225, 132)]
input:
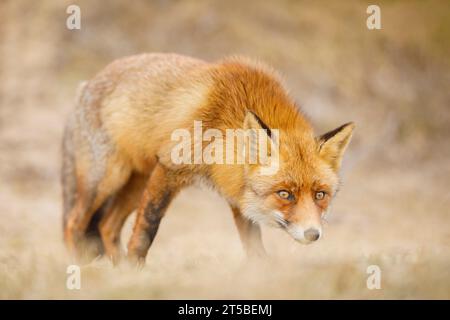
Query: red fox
[(117, 152)]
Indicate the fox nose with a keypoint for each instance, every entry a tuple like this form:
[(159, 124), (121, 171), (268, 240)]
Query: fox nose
[(312, 234)]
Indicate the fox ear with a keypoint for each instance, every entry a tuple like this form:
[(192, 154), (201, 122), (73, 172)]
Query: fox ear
[(252, 121), (332, 144)]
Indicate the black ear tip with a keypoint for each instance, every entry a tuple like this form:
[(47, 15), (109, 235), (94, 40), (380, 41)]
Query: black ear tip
[(350, 125), (261, 123), (332, 133)]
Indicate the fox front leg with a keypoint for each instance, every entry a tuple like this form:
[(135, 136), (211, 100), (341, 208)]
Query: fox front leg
[(156, 198), (250, 234)]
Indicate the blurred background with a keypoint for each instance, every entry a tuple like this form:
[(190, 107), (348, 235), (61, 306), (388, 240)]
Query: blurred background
[(392, 210)]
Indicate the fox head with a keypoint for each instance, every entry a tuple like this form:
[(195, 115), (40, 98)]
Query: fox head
[(296, 197)]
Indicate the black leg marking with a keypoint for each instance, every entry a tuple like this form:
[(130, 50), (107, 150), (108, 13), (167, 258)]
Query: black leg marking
[(154, 213)]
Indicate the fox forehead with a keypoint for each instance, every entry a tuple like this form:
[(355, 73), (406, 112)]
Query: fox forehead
[(300, 165), (307, 175)]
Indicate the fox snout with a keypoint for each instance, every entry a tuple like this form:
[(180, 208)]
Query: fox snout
[(303, 223), (312, 234), (305, 235)]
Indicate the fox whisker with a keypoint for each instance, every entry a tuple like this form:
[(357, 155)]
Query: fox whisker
[(280, 220)]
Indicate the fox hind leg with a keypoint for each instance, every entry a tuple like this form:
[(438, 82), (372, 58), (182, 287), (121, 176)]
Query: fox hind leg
[(91, 174), (91, 202), (123, 204), (94, 243)]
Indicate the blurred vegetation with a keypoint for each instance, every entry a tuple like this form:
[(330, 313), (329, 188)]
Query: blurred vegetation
[(393, 82)]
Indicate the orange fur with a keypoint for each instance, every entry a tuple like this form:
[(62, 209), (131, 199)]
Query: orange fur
[(123, 123)]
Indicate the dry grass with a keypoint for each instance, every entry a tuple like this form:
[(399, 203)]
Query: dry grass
[(393, 207)]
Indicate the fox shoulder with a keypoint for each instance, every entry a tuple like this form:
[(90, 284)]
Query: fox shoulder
[(254, 65)]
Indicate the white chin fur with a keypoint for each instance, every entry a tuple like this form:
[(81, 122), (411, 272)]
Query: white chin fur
[(297, 233), (254, 215)]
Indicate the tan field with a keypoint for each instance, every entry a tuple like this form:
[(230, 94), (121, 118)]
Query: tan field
[(393, 207)]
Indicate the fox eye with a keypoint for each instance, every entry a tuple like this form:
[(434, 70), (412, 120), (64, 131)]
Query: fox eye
[(283, 194), (320, 195)]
